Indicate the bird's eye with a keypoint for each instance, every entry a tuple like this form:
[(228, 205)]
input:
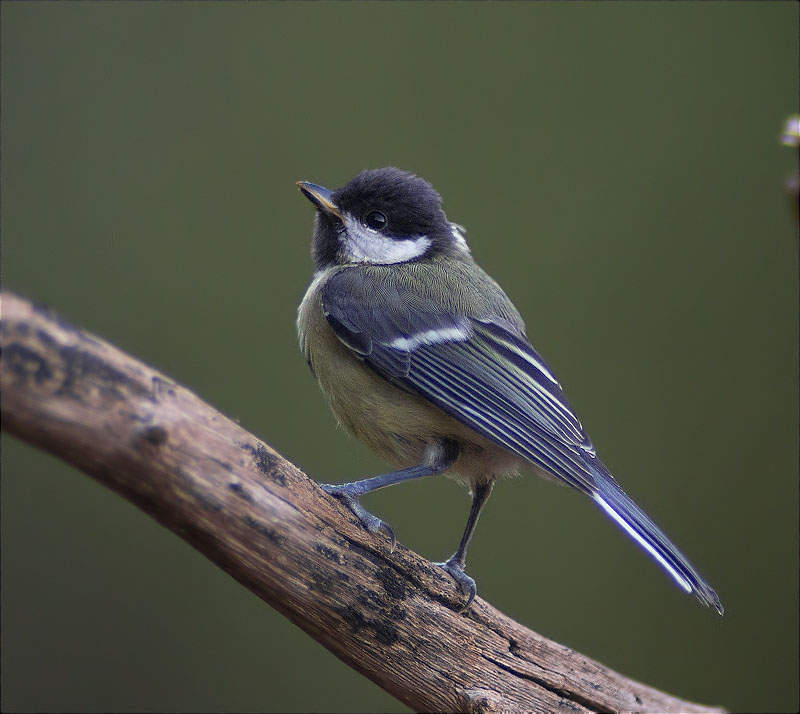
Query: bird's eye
[(376, 220)]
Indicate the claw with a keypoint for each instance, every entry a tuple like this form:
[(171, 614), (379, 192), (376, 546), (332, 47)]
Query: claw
[(386, 527), (466, 584), (372, 523)]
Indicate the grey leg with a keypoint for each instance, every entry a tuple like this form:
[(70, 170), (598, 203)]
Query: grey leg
[(349, 493), (457, 562)]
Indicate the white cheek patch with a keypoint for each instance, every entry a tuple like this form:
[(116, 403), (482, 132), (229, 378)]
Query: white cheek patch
[(362, 245)]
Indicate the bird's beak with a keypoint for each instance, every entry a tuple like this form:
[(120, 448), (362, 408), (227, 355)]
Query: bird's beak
[(320, 197)]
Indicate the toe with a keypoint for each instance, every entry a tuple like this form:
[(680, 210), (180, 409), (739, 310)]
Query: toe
[(465, 583), (372, 523)]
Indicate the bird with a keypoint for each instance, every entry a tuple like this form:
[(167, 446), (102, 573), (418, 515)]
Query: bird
[(424, 358)]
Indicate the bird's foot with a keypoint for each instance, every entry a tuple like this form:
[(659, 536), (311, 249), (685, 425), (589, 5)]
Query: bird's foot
[(465, 583), (372, 523)]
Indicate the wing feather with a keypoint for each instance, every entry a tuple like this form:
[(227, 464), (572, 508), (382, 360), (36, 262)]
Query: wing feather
[(484, 405)]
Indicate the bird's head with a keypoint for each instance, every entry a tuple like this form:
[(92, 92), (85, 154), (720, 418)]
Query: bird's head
[(382, 216)]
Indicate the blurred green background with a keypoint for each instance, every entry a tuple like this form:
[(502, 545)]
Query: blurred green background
[(618, 169)]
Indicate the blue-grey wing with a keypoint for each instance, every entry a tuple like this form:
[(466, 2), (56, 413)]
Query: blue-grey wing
[(482, 371)]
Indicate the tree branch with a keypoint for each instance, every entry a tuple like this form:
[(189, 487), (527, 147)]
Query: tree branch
[(391, 616)]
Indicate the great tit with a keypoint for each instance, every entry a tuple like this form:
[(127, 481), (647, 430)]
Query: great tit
[(423, 357)]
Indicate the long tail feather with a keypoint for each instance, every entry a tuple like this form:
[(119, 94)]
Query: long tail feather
[(635, 522)]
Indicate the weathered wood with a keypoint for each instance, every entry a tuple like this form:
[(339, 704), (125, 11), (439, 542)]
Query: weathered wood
[(391, 616)]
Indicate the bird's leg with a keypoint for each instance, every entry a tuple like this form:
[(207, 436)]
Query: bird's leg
[(457, 562), (439, 460)]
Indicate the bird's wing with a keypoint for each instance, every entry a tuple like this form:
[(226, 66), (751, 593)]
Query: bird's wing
[(479, 370)]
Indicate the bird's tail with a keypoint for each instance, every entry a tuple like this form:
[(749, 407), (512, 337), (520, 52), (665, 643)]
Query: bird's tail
[(635, 522)]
